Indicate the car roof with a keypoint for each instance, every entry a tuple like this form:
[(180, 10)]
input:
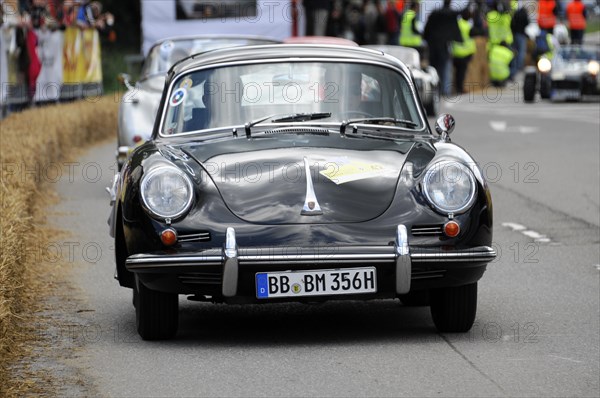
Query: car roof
[(320, 40), (214, 37), (286, 51)]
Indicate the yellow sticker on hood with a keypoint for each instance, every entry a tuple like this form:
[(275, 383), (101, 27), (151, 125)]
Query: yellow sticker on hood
[(355, 170)]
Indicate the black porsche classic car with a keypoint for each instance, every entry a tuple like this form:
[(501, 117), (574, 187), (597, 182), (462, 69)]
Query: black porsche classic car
[(298, 173)]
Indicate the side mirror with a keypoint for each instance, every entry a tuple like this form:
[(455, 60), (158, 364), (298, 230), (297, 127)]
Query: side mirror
[(444, 125), (125, 79)]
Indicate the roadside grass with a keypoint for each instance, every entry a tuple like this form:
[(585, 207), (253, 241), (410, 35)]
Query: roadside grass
[(593, 24), (32, 144), (113, 63)]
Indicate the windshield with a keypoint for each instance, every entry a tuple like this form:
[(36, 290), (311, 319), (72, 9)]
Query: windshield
[(236, 95), (585, 53), (161, 57)]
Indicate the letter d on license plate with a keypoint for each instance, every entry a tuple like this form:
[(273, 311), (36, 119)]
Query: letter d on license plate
[(327, 282)]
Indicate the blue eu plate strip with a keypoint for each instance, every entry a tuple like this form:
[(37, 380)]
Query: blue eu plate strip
[(262, 286)]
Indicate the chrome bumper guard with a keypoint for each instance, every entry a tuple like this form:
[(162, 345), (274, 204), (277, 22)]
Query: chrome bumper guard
[(231, 258)]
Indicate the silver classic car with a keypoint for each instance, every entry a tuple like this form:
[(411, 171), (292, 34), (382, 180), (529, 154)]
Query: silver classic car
[(426, 77), (140, 102), (572, 74)]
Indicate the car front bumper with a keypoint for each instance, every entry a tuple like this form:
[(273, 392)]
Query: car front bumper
[(225, 267), (574, 87)]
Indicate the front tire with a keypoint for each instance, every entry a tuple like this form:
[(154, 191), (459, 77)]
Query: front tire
[(529, 87), (545, 87), (156, 313), (453, 308)]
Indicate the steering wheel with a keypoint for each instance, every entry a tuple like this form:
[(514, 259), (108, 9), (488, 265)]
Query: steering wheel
[(357, 115)]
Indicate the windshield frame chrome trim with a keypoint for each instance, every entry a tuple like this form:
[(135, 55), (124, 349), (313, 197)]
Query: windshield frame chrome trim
[(423, 120)]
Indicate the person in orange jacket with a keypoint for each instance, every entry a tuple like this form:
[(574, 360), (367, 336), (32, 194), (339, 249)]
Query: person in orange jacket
[(576, 19), (547, 12)]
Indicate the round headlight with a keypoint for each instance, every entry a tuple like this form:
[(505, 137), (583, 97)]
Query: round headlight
[(544, 65), (449, 187), (593, 68), (166, 192)]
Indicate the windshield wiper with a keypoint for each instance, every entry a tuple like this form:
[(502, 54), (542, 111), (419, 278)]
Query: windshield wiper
[(302, 117), (253, 123), (377, 120), (294, 117)]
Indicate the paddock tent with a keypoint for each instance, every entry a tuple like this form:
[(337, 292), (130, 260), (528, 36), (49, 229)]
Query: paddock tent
[(169, 18)]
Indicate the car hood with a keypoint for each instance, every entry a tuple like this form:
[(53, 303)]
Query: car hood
[(265, 180)]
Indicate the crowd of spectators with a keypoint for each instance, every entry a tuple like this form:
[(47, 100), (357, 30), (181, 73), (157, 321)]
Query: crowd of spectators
[(22, 22), (54, 14), (399, 22)]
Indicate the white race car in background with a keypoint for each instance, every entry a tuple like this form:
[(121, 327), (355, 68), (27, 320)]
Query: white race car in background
[(142, 98), (573, 72), (426, 77)]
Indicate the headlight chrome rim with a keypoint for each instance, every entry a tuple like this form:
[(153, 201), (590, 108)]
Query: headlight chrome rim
[(161, 169), (441, 165)]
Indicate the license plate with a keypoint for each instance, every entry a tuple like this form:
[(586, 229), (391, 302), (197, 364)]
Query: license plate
[(566, 94), (316, 283)]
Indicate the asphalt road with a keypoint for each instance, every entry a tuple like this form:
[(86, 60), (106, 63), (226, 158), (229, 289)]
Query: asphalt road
[(537, 327)]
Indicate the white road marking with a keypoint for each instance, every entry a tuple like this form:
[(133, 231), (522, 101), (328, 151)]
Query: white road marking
[(597, 267), (528, 129), (566, 359), (502, 126), (498, 125), (536, 236), (514, 226), (512, 107)]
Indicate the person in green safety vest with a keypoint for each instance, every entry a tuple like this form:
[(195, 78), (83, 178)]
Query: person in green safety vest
[(462, 52), (499, 19), (544, 45), (514, 6), (409, 34), (500, 57)]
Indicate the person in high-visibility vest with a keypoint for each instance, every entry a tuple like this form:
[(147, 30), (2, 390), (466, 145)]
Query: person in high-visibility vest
[(500, 57), (499, 20), (409, 34), (576, 18), (547, 12), (544, 45), (463, 51)]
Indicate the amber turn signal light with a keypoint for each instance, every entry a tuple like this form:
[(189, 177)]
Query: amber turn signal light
[(168, 237), (451, 229)]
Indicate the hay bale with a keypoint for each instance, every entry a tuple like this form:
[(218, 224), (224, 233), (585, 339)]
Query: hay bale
[(30, 141), (478, 75)]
